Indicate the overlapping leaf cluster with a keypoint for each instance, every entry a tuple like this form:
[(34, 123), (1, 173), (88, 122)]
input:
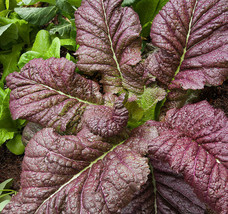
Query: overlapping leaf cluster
[(86, 158)]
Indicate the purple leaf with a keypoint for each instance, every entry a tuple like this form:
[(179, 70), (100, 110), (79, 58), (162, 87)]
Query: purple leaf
[(143, 200), (51, 93), (193, 140), (106, 121), (192, 38), (77, 174), (166, 193), (110, 44)]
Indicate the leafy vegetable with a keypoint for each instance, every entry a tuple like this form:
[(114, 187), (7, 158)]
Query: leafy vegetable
[(37, 16), (193, 140), (68, 103), (109, 41), (165, 192), (9, 61), (192, 41), (97, 179), (9, 128), (5, 193), (82, 153), (147, 10), (43, 47)]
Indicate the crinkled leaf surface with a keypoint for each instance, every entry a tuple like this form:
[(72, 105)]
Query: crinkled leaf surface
[(109, 41), (166, 193), (76, 174), (193, 140), (192, 41), (51, 93), (106, 121)]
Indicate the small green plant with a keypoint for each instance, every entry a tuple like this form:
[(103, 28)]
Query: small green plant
[(6, 193)]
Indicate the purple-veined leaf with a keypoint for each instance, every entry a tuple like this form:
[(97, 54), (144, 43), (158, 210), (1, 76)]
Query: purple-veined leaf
[(192, 37), (77, 174), (110, 44), (51, 93), (165, 192), (106, 121), (193, 140), (143, 200)]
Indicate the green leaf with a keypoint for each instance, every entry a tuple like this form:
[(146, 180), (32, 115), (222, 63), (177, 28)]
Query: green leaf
[(4, 203), (8, 33), (26, 57), (5, 135), (4, 13), (76, 3), (2, 5), (31, 2), (23, 28), (135, 114), (42, 42), (37, 16), (6, 184), (3, 29), (143, 109), (10, 4), (147, 10), (63, 28), (5, 199), (7, 125), (9, 61), (43, 47), (70, 44), (54, 50), (65, 6), (6, 121), (130, 2), (148, 101), (15, 145), (70, 58)]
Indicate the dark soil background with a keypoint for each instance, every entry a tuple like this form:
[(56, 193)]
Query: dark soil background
[(10, 167)]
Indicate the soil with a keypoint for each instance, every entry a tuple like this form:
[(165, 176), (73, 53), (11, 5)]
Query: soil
[(217, 96), (10, 167)]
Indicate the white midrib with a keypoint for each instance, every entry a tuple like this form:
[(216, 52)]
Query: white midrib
[(67, 95), (110, 40), (77, 175), (186, 44)]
